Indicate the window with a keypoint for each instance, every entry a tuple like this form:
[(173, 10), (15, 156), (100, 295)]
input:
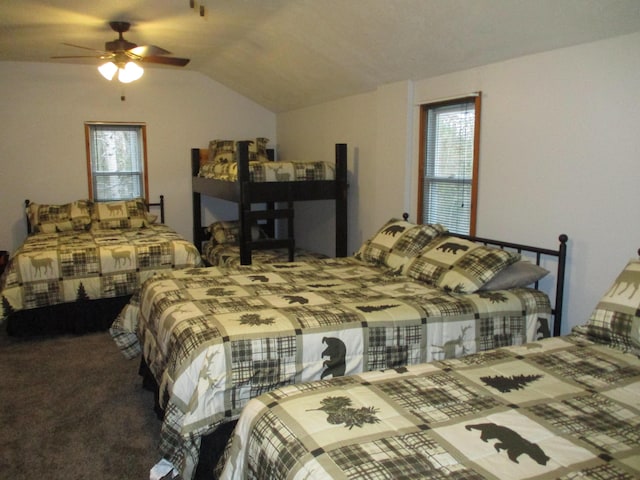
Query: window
[(116, 161), (449, 135)]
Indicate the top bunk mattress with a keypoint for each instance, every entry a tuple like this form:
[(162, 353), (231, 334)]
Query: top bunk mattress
[(222, 164), (261, 171)]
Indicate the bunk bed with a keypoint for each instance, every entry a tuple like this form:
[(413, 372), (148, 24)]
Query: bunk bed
[(561, 407), (211, 339), (82, 261), (247, 193)]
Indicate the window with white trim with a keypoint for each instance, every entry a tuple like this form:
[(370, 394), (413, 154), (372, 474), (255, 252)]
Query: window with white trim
[(449, 139), (116, 161)]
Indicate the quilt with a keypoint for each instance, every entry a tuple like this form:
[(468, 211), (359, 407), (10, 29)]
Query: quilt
[(559, 408), (225, 255), (214, 338), (59, 267), (270, 171)]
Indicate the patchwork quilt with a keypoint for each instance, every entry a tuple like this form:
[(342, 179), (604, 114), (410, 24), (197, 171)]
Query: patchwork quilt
[(559, 408), (270, 171), (214, 338), (226, 255), (54, 268)]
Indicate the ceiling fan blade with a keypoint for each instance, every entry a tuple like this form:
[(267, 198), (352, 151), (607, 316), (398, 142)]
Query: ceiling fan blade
[(77, 56), (84, 48), (176, 62), (148, 51)]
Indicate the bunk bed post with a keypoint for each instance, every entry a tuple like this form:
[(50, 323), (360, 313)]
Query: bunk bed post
[(341, 200), (244, 206), (198, 234), (562, 259)]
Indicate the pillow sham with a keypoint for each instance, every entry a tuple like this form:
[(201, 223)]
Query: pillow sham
[(616, 318), (228, 232), (121, 214), (459, 265), (221, 151), (59, 218), (397, 242), (520, 274)]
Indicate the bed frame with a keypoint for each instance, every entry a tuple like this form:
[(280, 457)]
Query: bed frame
[(536, 255), (246, 193), (74, 317)]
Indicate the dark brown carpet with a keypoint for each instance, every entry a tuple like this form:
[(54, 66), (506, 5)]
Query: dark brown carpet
[(72, 407)]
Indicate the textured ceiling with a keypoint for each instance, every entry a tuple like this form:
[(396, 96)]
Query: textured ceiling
[(287, 54)]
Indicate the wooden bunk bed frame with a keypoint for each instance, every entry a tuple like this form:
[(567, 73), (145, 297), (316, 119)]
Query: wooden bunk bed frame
[(246, 193)]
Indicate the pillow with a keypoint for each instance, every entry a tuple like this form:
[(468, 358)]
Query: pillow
[(59, 218), (616, 318), (398, 242), (519, 274), (122, 214), (459, 265), (229, 232), (150, 217), (221, 151)]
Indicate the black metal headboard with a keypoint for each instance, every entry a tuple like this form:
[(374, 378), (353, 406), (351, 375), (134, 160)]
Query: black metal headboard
[(537, 254), (159, 204)]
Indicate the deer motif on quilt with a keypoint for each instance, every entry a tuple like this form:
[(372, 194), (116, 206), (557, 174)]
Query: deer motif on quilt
[(121, 256), (628, 280), (40, 266), (450, 347)]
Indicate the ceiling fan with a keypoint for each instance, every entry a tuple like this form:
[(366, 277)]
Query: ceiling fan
[(120, 56)]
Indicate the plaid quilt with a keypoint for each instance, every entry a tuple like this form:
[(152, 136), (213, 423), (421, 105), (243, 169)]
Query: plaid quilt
[(270, 171), (226, 255), (53, 268), (561, 408), (214, 338)]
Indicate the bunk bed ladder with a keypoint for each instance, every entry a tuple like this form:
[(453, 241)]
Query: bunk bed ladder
[(252, 217)]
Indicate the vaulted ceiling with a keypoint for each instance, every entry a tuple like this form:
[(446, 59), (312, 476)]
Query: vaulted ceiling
[(287, 54)]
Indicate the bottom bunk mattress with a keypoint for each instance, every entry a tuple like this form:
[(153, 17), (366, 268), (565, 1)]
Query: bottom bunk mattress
[(216, 337), (558, 408), (227, 255)]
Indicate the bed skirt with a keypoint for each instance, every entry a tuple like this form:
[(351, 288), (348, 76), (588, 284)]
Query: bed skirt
[(76, 318)]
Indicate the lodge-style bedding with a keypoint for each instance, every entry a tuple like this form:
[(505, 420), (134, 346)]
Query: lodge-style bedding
[(85, 251), (214, 338), (222, 165), (229, 255), (562, 407), (222, 248)]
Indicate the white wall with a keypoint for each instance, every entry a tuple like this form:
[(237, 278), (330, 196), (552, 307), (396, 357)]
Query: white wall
[(43, 108), (559, 153)]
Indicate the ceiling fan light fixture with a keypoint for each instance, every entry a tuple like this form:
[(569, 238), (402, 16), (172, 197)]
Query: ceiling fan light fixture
[(130, 73), (108, 70)]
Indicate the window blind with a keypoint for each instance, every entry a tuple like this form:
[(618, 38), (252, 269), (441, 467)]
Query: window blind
[(116, 161), (449, 157)]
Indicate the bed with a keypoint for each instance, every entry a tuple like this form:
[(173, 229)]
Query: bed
[(265, 191), (81, 262), (214, 338), (222, 248), (563, 407)]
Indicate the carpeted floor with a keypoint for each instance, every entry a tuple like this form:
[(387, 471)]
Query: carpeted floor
[(72, 407)]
